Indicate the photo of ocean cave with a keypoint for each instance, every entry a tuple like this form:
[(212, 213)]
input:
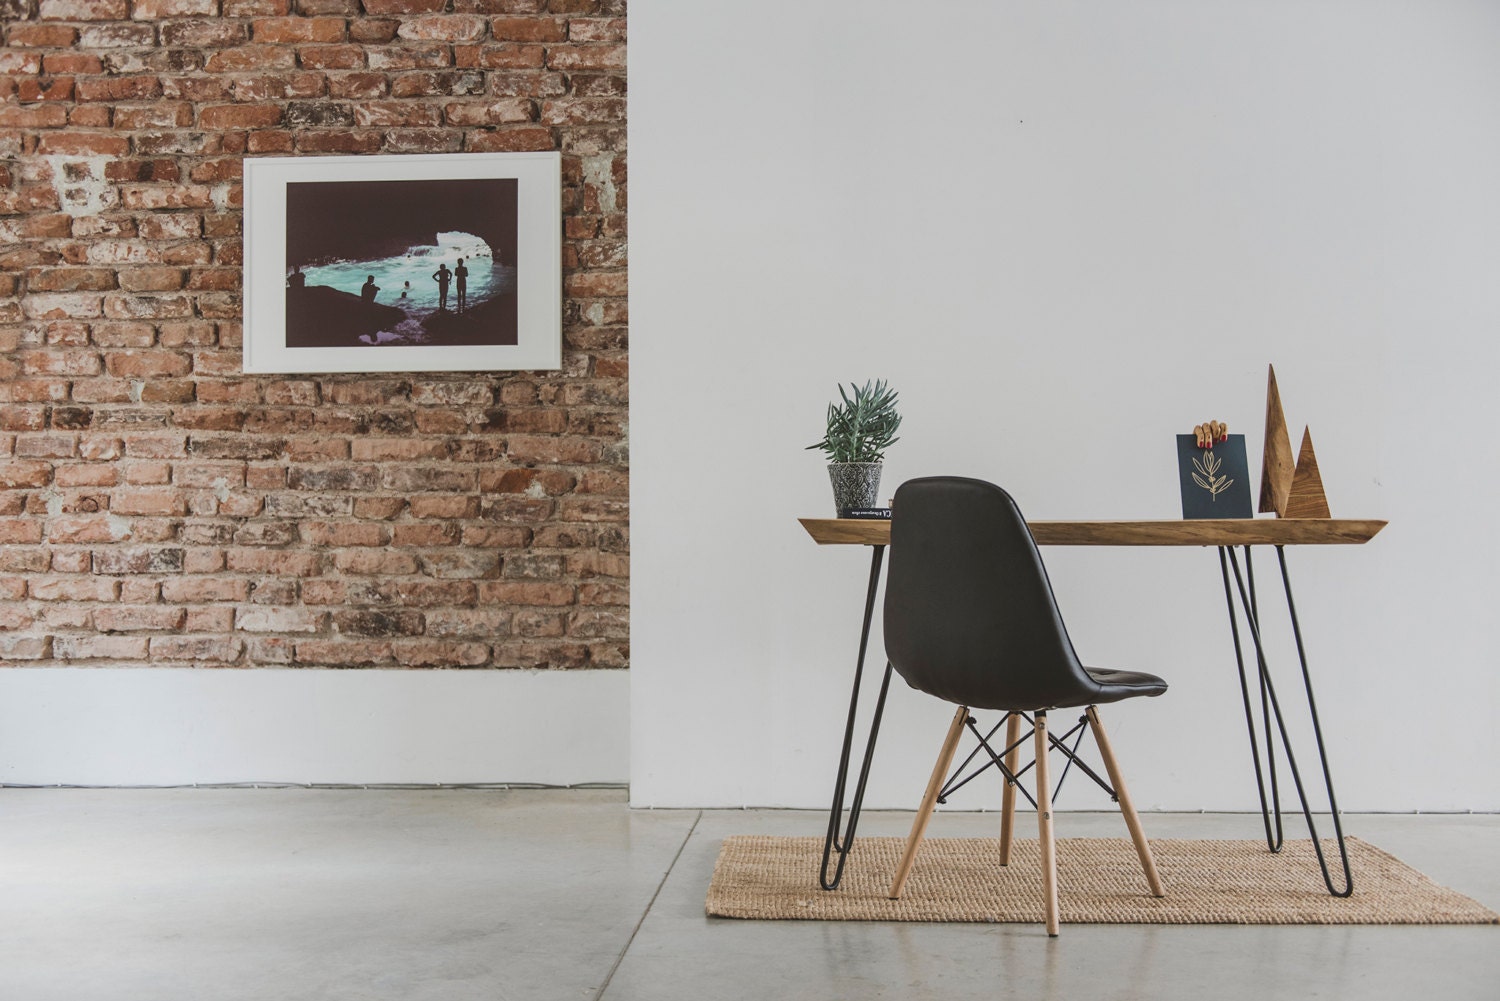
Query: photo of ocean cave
[(377, 263)]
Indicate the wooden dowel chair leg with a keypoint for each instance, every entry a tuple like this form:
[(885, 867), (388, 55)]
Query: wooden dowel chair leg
[(1132, 821), (929, 800), (1008, 803), (1044, 824)]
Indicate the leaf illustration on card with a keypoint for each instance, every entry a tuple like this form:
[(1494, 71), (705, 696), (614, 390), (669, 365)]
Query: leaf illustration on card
[(1207, 475)]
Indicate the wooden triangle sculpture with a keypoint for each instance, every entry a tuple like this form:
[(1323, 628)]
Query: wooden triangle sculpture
[(1276, 466), (1306, 499)]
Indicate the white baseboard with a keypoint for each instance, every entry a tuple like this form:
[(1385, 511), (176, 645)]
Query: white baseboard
[(173, 726)]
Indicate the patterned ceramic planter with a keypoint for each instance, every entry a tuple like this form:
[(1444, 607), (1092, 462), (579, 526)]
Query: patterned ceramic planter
[(855, 484)]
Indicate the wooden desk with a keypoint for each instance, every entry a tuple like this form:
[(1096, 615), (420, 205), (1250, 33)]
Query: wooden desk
[(1222, 534)]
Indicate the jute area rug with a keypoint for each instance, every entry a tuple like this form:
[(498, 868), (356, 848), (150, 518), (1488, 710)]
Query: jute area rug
[(1099, 880)]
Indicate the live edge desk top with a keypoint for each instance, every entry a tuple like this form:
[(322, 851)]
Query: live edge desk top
[(1201, 532)]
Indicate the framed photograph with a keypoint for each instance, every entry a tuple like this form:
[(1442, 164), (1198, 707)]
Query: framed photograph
[(403, 263)]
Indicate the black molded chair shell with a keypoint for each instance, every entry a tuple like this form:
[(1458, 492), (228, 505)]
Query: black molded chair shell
[(969, 612)]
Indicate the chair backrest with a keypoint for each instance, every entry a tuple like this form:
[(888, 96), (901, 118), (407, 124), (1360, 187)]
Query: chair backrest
[(969, 612)]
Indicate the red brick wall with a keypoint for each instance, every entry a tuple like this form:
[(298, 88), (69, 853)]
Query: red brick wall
[(159, 507)]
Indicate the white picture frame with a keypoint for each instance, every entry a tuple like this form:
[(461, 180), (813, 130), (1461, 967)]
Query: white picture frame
[(311, 222)]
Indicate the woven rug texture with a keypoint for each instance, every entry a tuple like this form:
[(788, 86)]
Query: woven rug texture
[(1099, 881)]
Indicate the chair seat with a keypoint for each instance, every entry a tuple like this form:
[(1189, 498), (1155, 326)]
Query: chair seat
[(1117, 685)]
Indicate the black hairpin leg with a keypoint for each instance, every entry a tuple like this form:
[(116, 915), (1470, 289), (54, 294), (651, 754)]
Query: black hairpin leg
[(834, 843), (1312, 709), (1272, 809), (1248, 603)]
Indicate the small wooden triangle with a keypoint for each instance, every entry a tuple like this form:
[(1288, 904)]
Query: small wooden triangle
[(1276, 464), (1306, 499)]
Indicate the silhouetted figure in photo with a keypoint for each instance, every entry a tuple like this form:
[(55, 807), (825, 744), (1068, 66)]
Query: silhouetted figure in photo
[(405, 288), (368, 290), (442, 276), (461, 274), (296, 279)]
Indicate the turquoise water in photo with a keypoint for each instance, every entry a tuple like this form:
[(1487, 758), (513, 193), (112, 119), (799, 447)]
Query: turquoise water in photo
[(416, 267)]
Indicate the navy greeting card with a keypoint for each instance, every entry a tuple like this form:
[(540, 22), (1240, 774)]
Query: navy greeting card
[(1215, 481)]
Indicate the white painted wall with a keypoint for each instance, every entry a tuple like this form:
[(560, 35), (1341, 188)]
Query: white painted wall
[(1066, 232), (141, 726)]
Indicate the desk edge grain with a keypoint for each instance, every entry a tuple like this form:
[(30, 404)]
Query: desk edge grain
[(1202, 532)]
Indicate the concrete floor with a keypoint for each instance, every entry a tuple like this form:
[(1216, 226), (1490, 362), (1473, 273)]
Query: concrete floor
[(420, 895)]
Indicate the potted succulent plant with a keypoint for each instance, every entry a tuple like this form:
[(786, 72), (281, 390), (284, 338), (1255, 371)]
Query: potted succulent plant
[(860, 429)]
